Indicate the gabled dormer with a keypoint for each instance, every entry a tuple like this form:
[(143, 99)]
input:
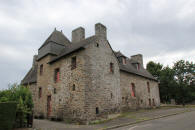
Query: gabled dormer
[(121, 58), (137, 61), (54, 44)]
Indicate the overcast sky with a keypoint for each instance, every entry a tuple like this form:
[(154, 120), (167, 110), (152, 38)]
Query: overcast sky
[(161, 30)]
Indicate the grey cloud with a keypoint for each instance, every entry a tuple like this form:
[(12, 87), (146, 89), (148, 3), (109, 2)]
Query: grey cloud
[(153, 28)]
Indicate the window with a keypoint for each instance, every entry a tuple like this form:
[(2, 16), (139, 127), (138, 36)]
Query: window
[(111, 67), (54, 90), (153, 102), (40, 92), (133, 90), (73, 63), (97, 110), (57, 75), (141, 101), (41, 69), (124, 61), (138, 66), (111, 95), (148, 86), (73, 87), (97, 44), (149, 102)]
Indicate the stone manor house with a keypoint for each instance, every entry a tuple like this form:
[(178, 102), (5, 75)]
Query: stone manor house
[(85, 79)]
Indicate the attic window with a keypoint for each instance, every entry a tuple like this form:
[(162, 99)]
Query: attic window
[(124, 61), (137, 66)]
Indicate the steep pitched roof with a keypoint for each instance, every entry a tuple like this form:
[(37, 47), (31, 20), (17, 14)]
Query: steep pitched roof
[(131, 69), (31, 76), (74, 47), (56, 37)]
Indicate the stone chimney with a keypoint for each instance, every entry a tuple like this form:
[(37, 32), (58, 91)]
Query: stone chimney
[(100, 30), (138, 58), (78, 34), (34, 60)]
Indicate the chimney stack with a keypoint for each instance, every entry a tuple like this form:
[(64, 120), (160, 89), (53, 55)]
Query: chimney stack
[(34, 60), (100, 30), (138, 58), (78, 34)]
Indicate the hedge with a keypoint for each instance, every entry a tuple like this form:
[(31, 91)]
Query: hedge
[(7, 115)]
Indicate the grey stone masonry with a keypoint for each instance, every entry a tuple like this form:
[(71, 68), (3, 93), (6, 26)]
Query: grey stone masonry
[(83, 80), (78, 34)]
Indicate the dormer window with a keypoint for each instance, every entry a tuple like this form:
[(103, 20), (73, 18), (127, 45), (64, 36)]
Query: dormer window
[(124, 61), (137, 66)]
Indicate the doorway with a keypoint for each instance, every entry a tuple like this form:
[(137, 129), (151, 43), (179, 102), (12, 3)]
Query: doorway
[(48, 105)]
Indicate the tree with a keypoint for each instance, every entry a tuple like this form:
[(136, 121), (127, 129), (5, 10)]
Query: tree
[(167, 85), (184, 76), (154, 68)]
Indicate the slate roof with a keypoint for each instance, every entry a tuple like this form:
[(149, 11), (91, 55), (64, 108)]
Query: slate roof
[(74, 47), (31, 76), (57, 37), (131, 69)]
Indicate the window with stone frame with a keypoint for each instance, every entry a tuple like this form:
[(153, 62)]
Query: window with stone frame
[(153, 102), (138, 66), (149, 100), (112, 67), (41, 69), (124, 60), (73, 87), (57, 75), (148, 87), (133, 92), (73, 63), (40, 92), (97, 110), (54, 91)]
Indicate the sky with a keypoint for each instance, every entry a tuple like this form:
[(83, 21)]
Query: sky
[(162, 30)]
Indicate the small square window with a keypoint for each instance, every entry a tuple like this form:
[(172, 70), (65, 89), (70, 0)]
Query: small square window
[(97, 44)]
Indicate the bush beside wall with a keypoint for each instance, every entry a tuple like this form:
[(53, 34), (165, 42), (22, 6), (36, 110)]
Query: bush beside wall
[(7, 115)]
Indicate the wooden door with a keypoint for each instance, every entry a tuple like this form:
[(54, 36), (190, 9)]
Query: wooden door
[(48, 105)]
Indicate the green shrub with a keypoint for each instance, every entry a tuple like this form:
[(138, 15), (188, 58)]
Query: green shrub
[(7, 114)]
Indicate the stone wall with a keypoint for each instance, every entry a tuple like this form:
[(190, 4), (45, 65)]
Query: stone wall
[(102, 91), (142, 95)]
